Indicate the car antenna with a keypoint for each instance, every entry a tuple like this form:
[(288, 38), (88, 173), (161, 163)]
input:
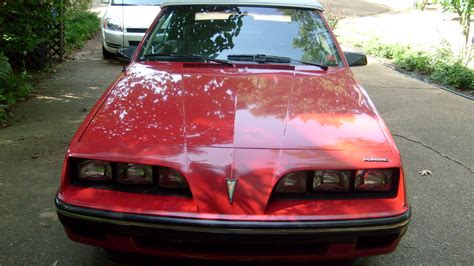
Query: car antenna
[(124, 67)]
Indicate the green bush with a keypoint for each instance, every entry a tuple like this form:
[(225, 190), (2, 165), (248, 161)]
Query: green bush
[(24, 36), (414, 61), (12, 86), (389, 51), (5, 67), (24, 29), (442, 66), (15, 87), (455, 74), (80, 25)]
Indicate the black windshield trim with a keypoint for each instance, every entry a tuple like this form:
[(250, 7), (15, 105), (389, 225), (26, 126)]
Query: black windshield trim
[(175, 57), (264, 59)]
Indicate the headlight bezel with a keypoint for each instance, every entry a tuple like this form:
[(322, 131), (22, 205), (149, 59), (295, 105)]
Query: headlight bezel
[(352, 193), (114, 184), (112, 25), (107, 173)]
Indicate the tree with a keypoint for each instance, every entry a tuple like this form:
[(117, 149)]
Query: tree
[(464, 9), (421, 4)]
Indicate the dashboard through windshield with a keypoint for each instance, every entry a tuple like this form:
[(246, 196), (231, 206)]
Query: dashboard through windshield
[(239, 32)]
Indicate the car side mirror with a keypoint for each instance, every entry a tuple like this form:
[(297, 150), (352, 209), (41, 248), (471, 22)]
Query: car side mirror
[(356, 59), (126, 54)]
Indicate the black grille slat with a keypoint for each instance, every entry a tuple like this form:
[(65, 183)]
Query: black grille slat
[(136, 30)]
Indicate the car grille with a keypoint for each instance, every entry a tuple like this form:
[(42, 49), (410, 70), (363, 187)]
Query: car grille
[(136, 30)]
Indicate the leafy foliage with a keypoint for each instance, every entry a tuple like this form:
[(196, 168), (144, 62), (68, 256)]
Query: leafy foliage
[(421, 4), (441, 66), (25, 24), (80, 24), (5, 67), (12, 87), (464, 8), (414, 61), (333, 15), (389, 51), (24, 34), (24, 28), (455, 74)]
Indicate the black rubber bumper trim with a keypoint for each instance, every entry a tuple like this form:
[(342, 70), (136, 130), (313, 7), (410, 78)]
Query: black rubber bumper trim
[(184, 224)]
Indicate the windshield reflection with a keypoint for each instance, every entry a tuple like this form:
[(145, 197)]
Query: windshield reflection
[(220, 31)]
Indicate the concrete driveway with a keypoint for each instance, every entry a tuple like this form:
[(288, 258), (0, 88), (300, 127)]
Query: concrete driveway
[(433, 129), (359, 8)]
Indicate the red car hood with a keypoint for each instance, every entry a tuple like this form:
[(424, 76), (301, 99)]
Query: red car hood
[(162, 104)]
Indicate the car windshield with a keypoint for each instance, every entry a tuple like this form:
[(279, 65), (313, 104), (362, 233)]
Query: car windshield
[(241, 33), (137, 2)]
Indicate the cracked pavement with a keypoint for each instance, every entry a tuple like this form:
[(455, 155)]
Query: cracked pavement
[(434, 130)]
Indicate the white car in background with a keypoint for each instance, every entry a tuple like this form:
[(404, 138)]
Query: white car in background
[(125, 23)]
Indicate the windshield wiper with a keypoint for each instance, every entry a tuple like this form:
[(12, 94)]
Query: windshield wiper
[(190, 56), (261, 58)]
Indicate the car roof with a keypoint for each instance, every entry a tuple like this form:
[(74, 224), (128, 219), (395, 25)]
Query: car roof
[(312, 4)]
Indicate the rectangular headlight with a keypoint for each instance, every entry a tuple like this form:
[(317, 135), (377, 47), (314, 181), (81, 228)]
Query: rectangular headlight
[(95, 170), (170, 178), (134, 174), (374, 180), (338, 183), (293, 183), (331, 180), (128, 177)]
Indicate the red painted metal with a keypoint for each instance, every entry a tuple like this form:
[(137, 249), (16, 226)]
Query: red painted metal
[(257, 125), (213, 123)]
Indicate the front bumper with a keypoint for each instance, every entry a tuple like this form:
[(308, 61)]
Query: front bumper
[(231, 240), (112, 40)]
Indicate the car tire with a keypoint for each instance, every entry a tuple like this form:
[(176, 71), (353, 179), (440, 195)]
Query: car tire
[(106, 54)]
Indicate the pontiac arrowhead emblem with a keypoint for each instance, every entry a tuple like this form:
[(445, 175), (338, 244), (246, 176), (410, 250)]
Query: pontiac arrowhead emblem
[(231, 185)]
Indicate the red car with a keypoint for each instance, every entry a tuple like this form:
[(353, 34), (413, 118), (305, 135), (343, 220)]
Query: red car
[(237, 132)]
